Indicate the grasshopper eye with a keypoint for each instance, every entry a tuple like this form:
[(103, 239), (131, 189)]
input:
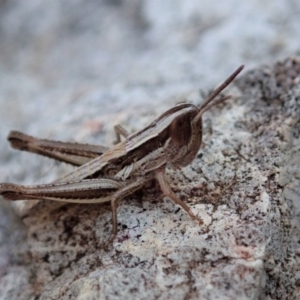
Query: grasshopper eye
[(181, 130)]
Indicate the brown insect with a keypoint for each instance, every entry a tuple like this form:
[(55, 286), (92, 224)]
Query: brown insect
[(104, 174)]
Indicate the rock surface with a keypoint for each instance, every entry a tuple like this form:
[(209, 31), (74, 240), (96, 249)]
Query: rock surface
[(71, 71)]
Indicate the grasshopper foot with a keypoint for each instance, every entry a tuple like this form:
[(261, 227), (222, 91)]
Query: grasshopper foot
[(109, 242), (199, 220)]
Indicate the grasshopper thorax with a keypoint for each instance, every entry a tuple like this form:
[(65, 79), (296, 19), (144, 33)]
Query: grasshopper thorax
[(185, 131)]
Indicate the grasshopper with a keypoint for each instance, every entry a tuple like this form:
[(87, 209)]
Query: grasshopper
[(104, 175)]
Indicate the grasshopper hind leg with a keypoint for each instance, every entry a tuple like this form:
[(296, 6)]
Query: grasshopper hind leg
[(72, 153)]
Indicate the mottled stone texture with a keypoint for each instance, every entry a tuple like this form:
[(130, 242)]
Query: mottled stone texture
[(245, 185), (71, 70)]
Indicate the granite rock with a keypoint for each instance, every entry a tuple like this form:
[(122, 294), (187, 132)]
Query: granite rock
[(71, 71)]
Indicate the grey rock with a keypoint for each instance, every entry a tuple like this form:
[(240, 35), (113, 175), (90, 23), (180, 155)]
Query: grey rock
[(244, 184), (72, 70)]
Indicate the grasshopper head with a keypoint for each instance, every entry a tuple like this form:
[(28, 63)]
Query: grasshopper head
[(185, 132)]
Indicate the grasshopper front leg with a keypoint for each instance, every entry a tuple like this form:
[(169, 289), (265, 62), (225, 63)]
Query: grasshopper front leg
[(138, 184), (167, 191)]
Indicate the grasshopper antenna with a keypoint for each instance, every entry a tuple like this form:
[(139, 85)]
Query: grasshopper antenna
[(204, 106)]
